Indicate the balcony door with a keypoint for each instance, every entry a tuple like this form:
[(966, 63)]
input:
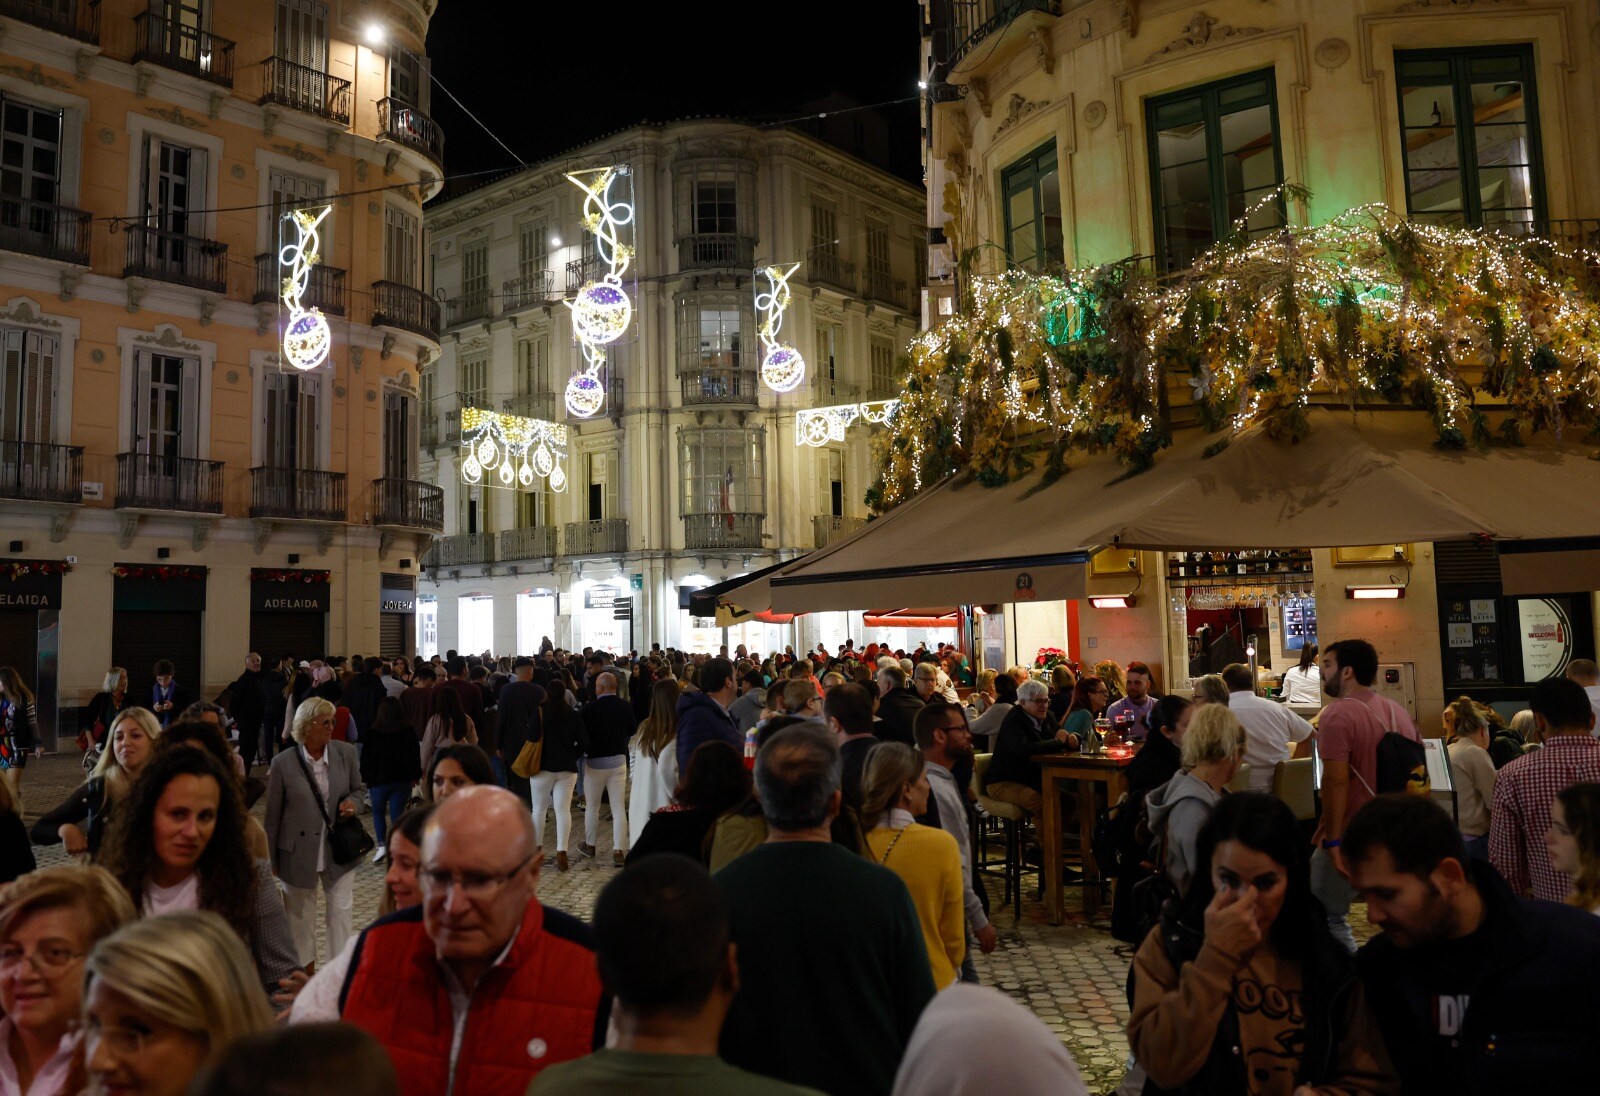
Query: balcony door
[(290, 420), (30, 154), (302, 35), (174, 201), (288, 191), (399, 444), (27, 404), (408, 78), (166, 407), (399, 247)]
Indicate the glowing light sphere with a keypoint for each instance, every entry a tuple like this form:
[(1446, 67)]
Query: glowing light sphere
[(525, 475), (585, 395), (558, 480), (486, 453), (783, 368), (542, 460), (601, 313), (507, 476), (471, 470), (307, 340)]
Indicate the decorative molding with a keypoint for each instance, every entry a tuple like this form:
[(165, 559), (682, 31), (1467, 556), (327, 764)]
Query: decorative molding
[(70, 280), (361, 171), (1200, 32), (979, 87), (1043, 49), (325, 538), (391, 160), (60, 522), (176, 116), (200, 536), (83, 63), (168, 337), (214, 104), (1331, 53), (1094, 114), (1130, 17), (266, 314), (269, 121), (127, 528), (25, 313), (143, 77), (136, 289), (262, 534), (333, 139), (1017, 109), (108, 136), (1440, 5), (35, 76), (388, 346), (299, 153), (208, 310), (357, 353)]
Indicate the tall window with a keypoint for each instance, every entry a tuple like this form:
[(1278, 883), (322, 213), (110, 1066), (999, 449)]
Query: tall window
[(832, 467), (291, 418), (408, 78), (824, 231), (533, 248), (399, 443), (829, 346), (288, 191), (882, 367), (302, 33), (1031, 193), (711, 331), (878, 253), (533, 366), (27, 385), (602, 501), (1213, 155), (716, 206), (30, 152), (399, 246), (1469, 124), (533, 507), (166, 405), (723, 470), (475, 279), (473, 381)]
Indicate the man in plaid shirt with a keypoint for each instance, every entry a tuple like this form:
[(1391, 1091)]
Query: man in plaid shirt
[(1525, 788)]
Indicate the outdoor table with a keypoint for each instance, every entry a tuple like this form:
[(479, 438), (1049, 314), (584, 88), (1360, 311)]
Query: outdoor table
[(1088, 770)]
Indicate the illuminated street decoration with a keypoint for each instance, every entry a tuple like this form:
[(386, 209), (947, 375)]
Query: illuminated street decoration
[(508, 451), (782, 367), (307, 337), (601, 311), (819, 426)]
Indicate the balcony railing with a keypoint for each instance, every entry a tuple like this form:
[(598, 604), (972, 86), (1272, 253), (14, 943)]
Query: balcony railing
[(172, 257), (539, 542), (582, 271), (78, 19), (533, 405), (41, 473), (325, 290), (826, 390), (402, 122), (722, 530), (44, 229), (535, 287), (971, 21), (151, 481), (608, 536), (831, 527), (175, 45), (396, 305), (297, 493), (829, 269), (463, 549), (408, 504), (879, 286), (719, 386), (716, 249), (303, 88), (471, 306)]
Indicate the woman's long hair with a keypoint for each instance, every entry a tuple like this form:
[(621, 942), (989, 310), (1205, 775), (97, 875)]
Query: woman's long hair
[(391, 717), (116, 779), (16, 690), (716, 779), (1082, 692), (660, 727), (1308, 657), (1111, 674), (1581, 804), (447, 706), (226, 868)]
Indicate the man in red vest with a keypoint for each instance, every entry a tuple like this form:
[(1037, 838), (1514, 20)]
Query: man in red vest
[(481, 987)]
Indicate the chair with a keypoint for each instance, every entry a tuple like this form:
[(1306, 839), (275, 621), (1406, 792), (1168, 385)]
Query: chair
[(1013, 821), (1241, 779), (1294, 782)]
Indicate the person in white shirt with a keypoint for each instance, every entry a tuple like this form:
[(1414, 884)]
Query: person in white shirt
[(1586, 672), (1303, 684), (1269, 727)]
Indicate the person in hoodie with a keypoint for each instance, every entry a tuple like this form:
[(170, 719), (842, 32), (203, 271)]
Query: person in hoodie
[(1241, 986), (1213, 749), (703, 715)]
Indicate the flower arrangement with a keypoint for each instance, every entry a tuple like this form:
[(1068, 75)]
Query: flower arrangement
[(16, 568), (1049, 658), (266, 574), (160, 574)]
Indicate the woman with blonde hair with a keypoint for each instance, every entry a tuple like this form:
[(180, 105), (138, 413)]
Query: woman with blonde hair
[(653, 756), (1213, 750), (894, 790), (983, 693), (1473, 772), (48, 922), (84, 817), (163, 998), (1210, 689)]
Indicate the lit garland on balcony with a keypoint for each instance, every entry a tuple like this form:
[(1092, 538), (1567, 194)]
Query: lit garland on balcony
[(307, 337), (782, 367), (819, 426), (521, 449), (1366, 308), (601, 311)]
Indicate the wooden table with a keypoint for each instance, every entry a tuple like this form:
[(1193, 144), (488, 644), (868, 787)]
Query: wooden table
[(1087, 770)]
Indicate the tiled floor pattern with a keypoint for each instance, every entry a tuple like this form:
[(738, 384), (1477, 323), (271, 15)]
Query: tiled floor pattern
[(1072, 976)]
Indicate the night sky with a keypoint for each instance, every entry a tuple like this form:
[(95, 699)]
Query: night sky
[(553, 83)]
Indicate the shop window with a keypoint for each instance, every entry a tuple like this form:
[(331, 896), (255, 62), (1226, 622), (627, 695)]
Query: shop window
[(1031, 197)]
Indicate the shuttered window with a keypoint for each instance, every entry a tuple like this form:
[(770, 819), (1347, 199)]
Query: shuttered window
[(27, 385)]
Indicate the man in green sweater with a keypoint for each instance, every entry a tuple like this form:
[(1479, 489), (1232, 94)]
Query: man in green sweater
[(833, 968)]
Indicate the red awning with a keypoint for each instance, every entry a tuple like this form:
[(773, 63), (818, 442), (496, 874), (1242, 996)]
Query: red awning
[(912, 618)]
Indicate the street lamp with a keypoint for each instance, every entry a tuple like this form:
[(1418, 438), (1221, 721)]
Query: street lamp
[(374, 34)]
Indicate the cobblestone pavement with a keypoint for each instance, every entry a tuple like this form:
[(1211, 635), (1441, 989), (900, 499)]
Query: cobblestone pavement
[(1073, 976)]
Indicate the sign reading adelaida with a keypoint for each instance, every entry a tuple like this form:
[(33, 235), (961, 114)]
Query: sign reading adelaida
[(30, 584), (279, 592)]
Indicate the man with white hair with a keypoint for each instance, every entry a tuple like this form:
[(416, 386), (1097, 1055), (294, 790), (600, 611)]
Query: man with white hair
[(898, 706), (1014, 775)]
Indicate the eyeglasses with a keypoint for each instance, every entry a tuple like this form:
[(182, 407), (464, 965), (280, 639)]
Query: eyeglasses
[(123, 1042), (472, 884), (51, 960)]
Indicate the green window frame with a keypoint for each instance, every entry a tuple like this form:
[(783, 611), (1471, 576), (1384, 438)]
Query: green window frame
[(1205, 145), (1030, 192), (1469, 130)]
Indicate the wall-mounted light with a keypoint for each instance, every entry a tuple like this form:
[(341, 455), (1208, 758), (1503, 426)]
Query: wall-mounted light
[(1374, 593), (555, 241), (1115, 601), (373, 34)]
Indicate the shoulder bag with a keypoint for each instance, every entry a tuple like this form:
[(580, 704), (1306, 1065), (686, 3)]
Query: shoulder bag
[(527, 764), (348, 839)]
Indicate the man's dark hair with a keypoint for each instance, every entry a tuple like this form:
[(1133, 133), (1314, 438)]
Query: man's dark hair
[(1137, 668), (661, 935), (932, 718), (596, 659), (797, 774), (520, 661), (1562, 702), (851, 705), (1416, 831), (1356, 655), (303, 1060), (163, 668), (754, 678), (477, 673), (714, 675), (455, 665), (374, 664), (1238, 678), (423, 672)]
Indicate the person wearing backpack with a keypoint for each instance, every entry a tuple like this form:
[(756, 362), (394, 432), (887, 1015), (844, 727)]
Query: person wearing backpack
[(1369, 746)]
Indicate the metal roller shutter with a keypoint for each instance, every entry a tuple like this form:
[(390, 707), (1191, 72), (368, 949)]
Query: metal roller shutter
[(19, 644), (304, 635), (138, 639), (392, 629)]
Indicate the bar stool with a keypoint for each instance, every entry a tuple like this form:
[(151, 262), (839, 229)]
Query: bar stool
[(1013, 823)]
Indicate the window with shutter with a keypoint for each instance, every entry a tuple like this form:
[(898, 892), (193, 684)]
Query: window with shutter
[(533, 249), (303, 33), (399, 446), (475, 280), (474, 381), (27, 385), (287, 191), (30, 156), (399, 246), (290, 416)]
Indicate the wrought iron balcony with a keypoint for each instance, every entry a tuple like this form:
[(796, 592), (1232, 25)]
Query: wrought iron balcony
[(172, 257), (396, 305), (399, 121), (408, 504), (539, 542), (535, 287), (304, 493), (716, 249), (608, 536), (582, 271), (532, 405), (969, 22), (463, 549), (303, 88), (879, 286), (831, 527), (44, 229), (325, 290), (828, 269), (471, 306), (78, 19), (41, 473), (151, 481), (722, 530), (721, 387), (182, 48)]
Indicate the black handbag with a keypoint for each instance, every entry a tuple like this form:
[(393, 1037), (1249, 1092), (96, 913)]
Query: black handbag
[(348, 839)]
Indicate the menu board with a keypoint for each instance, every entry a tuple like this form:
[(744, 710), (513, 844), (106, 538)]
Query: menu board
[(1472, 640), (1299, 623)]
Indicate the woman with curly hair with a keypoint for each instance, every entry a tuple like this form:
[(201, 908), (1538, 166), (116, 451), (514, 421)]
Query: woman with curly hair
[(179, 843)]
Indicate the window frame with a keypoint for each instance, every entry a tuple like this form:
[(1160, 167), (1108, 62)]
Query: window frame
[(1028, 166)]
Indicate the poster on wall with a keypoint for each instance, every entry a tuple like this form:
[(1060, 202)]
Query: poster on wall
[(994, 641), (1544, 628)]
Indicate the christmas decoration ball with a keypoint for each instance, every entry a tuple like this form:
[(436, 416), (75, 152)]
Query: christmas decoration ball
[(307, 340), (783, 368), (585, 395), (601, 313)]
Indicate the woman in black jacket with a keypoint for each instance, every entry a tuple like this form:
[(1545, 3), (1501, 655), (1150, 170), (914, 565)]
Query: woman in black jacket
[(95, 718), (1157, 762), (391, 762), (558, 727), (130, 745)]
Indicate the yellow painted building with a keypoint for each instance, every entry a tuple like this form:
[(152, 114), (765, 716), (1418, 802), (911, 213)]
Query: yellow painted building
[(205, 497)]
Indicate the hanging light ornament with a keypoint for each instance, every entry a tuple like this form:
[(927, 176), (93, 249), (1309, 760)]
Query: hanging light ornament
[(601, 312), (307, 339), (782, 367), (501, 444)]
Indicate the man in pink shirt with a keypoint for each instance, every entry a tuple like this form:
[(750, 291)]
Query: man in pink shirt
[(1348, 732)]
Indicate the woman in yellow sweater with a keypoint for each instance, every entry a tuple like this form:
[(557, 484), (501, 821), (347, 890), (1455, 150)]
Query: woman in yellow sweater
[(894, 789)]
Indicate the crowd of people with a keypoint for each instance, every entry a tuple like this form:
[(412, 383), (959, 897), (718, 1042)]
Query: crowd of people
[(794, 905)]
